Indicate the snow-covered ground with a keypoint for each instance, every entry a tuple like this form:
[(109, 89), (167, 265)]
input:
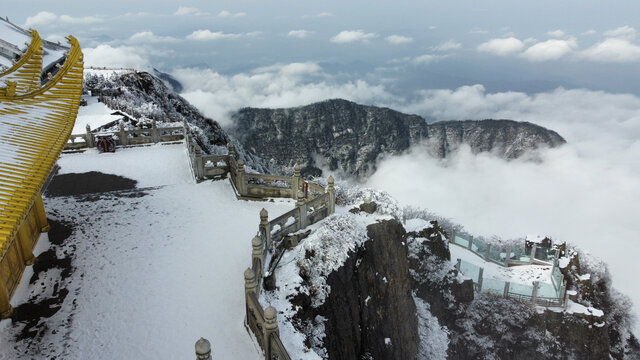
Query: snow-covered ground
[(155, 270), (95, 114)]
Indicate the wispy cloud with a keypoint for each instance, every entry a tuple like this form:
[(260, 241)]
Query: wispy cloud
[(149, 36), (556, 33), (501, 47), (550, 50), (228, 14), (208, 35), (300, 34), (45, 18), (349, 36), (612, 50), (398, 39), (185, 11), (447, 46), (623, 32), (323, 14)]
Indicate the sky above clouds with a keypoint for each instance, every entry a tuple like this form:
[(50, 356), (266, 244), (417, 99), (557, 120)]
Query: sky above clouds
[(570, 65)]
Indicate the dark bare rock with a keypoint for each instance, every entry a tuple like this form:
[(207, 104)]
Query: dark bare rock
[(370, 311), (344, 136)]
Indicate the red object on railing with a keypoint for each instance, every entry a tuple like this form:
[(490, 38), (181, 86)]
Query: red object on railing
[(105, 143), (305, 189)]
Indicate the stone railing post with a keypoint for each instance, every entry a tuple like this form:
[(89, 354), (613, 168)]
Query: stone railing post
[(203, 349), (533, 253), (154, 132), (240, 181), (507, 257), (123, 135), (302, 206), (257, 255), (480, 273), (534, 293), (230, 150), (563, 295), (270, 328), (458, 263), (452, 239), (250, 285), (505, 294), (470, 245), (486, 253), (89, 137), (265, 228), (199, 166), (332, 195), (295, 181)]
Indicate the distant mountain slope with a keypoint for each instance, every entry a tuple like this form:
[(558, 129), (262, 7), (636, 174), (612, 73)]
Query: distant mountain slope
[(349, 137)]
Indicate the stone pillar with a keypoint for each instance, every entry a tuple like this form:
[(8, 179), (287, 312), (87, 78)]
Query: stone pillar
[(265, 228), (506, 290), (533, 253), (534, 293), (123, 136), (154, 132), (250, 285), (458, 263), (5, 307), (452, 239), (486, 253), (507, 257), (480, 273), (270, 328), (199, 166), (332, 194), (563, 295), (41, 215), (302, 206), (257, 255), (203, 349), (89, 137), (230, 150), (470, 245), (240, 181), (25, 244), (295, 181)]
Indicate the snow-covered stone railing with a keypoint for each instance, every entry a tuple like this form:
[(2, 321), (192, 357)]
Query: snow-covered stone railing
[(538, 293), (247, 185), (267, 248), (127, 137)]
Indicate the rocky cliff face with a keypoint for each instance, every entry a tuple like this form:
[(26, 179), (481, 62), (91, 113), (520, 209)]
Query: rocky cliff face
[(346, 136), (370, 312)]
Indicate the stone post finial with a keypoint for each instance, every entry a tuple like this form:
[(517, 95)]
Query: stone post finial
[(264, 216), (230, 149), (296, 169), (300, 199), (203, 349), (270, 320), (332, 194), (88, 127), (257, 254), (249, 281)]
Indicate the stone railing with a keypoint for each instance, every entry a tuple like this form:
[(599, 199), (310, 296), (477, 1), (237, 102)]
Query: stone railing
[(538, 293), (127, 137), (249, 186), (268, 246)]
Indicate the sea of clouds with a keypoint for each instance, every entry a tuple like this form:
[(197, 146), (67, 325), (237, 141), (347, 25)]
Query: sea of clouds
[(586, 192)]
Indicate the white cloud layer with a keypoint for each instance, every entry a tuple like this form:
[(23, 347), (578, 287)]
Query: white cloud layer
[(281, 85), (349, 36), (502, 47), (45, 18), (122, 56), (398, 39)]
